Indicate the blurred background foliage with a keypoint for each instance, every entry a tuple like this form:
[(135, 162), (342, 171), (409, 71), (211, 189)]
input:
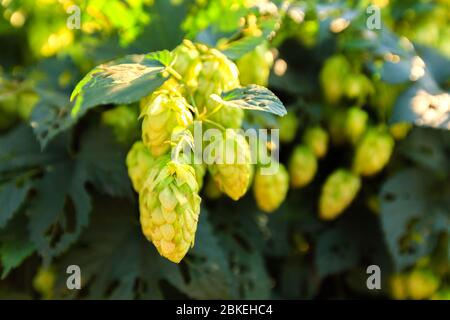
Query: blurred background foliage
[(66, 198)]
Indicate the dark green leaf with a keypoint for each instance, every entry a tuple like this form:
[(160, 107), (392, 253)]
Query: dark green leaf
[(252, 97), (12, 196), (121, 81)]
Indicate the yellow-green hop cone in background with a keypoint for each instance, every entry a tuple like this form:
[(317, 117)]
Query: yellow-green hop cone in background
[(165, 111), (302, 166), (270, 189), (288, 126), (254, 67), (373, 152), (442, 294), (355, 123), (332, 77), (123, 122), (316, 138), (400, 130), (231, 168), (398, 286), (211, 190), (338, 192), (170, 207), (44, 282), (336, 126), (358, 87), (139, 162), (422, 283)]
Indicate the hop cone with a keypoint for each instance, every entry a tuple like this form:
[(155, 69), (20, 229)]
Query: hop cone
[(231, 166), (336, 126), (288, 127), (218, 74), (44, 282), (270, 190), (422, 283), (398, 286), (339, 190), (356, 122), (400, 130), (228, 117), (332, 77), (123, 121), (165, 111), (373, 152), (357, 86), (170, 206), (139, 162), (254, 67), (316, 138), (302, 166), (188, 63)]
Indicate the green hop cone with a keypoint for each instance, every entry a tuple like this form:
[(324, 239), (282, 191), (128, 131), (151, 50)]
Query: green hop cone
[(211, 189), (332, 77), (123, 122), (165, 111), (288, 126), (442, 294), (357, 87), (336, 126), (422, 283), (316, 138), (228, 117), (398, 286), (302, 166), (217, 74), (400, 130), (44, 282), (230, 164), (338, 191), (139, 162), (187, 62), (356, 123), (254, 67), (170, 206), (270, 189), (373, 152)]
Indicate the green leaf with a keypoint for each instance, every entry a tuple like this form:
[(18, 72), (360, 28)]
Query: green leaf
[(12, 196), (252, 97), (121, 81), (60, 210), (411, 215), (15, 245), (50, 116)]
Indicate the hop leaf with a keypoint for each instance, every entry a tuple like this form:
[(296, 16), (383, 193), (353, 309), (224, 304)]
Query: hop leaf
[(316, 138), (139, 162), (302, 166), (339, 190), (170, 207), (270, 190), (373, 152), (231, 167), (165, 111)]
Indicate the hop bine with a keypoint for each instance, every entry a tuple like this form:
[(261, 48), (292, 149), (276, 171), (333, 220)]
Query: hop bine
[(170, 206)]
